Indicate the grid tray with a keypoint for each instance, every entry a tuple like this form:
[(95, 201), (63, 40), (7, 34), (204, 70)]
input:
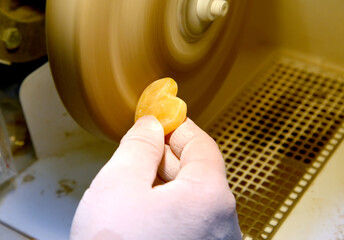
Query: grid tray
[(276, 136)]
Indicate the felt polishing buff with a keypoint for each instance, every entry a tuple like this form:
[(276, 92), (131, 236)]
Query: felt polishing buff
[(104, 53)]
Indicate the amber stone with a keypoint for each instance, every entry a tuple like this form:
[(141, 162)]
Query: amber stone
[(160, 100)]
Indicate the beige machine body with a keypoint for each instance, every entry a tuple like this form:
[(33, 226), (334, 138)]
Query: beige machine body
[(309, 29)]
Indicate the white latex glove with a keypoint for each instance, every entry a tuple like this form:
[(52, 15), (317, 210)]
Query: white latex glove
[(122, 203)]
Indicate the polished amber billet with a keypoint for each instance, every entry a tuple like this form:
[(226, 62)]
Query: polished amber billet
[(160, 100)]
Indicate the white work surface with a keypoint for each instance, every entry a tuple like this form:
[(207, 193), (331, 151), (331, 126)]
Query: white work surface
[(42, 200), (39, 204), (319, 215)]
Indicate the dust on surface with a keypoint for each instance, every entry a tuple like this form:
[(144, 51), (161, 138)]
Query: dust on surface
[(66, 186), (28, 178), (68, 134)]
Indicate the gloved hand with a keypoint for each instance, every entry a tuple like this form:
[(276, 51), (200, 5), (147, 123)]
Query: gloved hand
[(122, 202)]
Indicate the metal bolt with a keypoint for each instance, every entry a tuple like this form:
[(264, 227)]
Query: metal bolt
[(219, 8), (12, 38), (208, 10)]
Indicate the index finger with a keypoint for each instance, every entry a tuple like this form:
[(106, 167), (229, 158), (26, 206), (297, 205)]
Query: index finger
[(135, 162), (198, 153)]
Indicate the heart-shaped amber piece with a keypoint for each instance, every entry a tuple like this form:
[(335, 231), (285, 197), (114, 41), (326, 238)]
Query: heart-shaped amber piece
[(160, 100)]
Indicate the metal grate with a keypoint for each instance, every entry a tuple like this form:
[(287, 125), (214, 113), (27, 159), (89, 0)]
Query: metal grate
[(276, 136)]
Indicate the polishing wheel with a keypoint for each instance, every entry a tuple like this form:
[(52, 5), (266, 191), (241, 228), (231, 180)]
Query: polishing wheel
[(104, 53)]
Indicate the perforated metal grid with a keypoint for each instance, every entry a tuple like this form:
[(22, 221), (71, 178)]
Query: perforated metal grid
[(276, 136)]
